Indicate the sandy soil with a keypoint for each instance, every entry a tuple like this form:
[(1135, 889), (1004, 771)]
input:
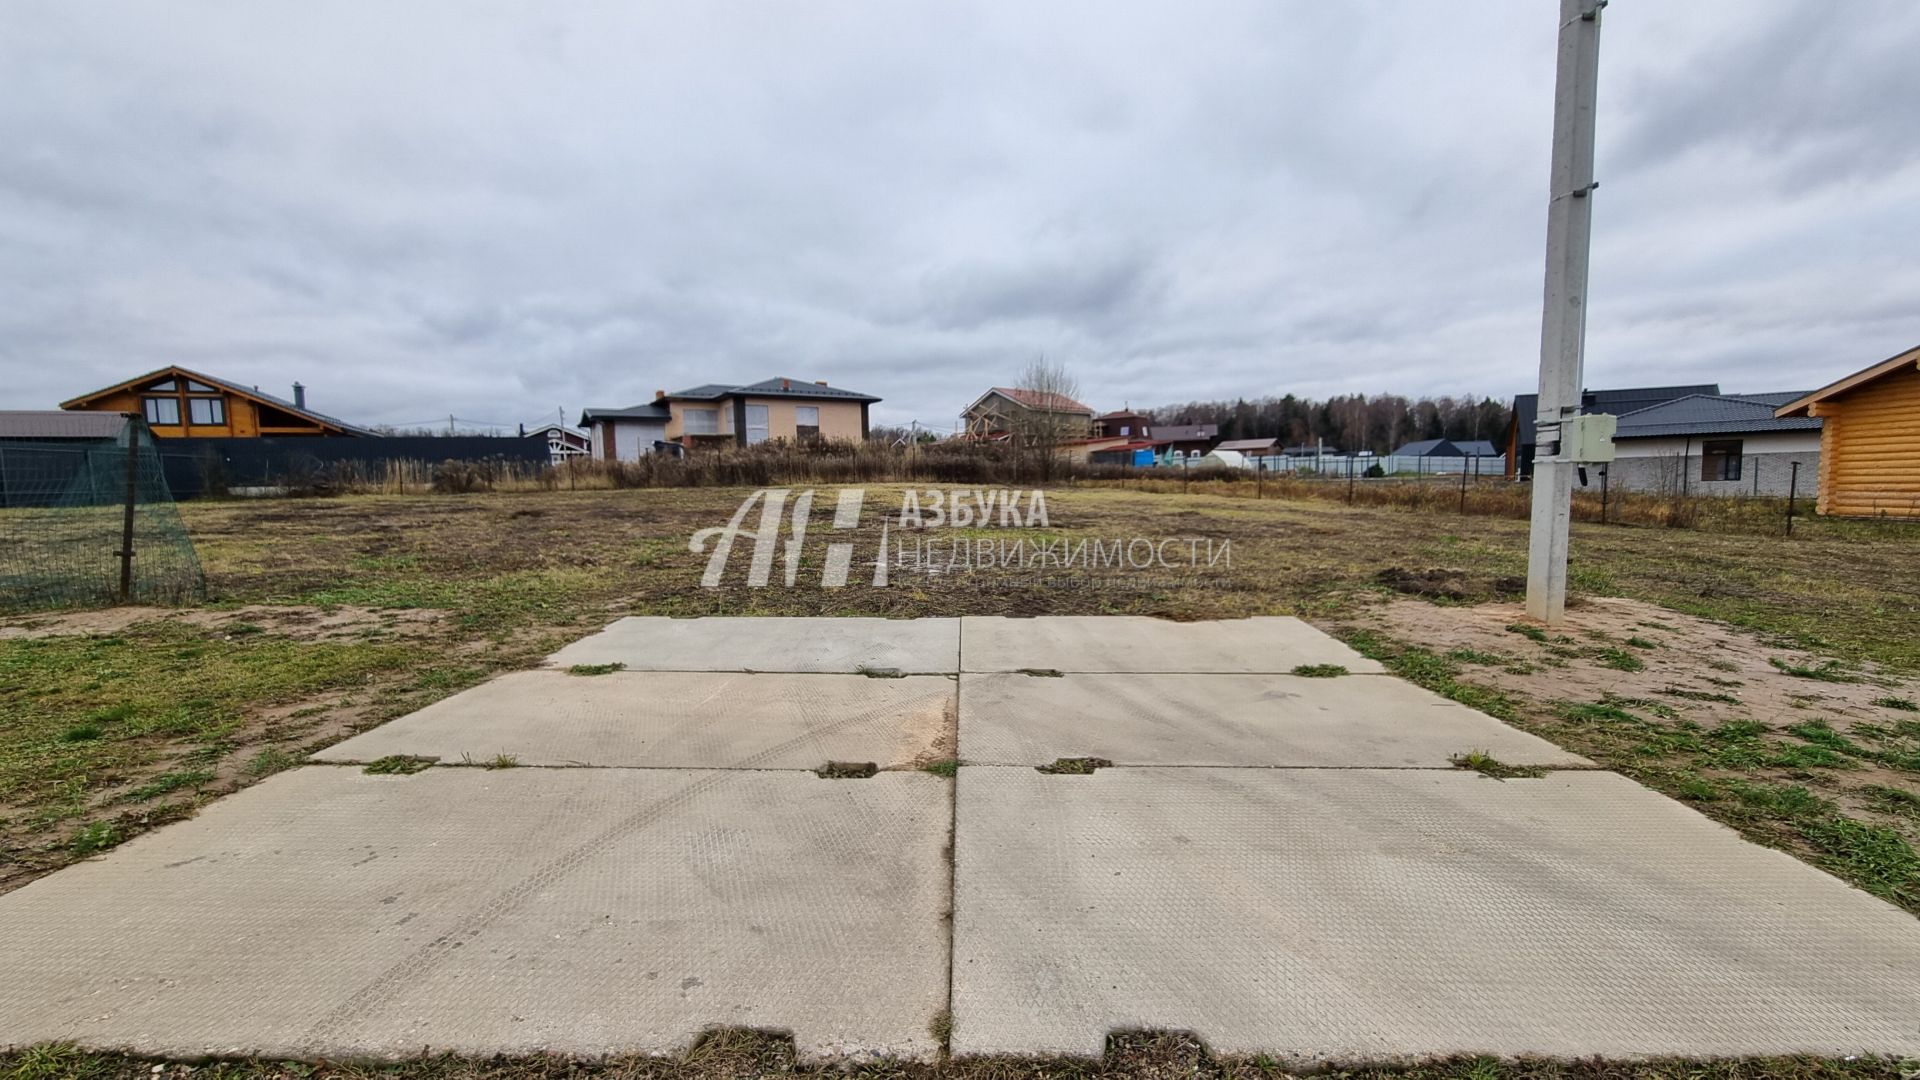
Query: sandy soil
[(1694, 658)]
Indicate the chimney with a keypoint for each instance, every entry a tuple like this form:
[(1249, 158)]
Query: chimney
[(299, 396), (786, 384), (659, 394), (819, 382)]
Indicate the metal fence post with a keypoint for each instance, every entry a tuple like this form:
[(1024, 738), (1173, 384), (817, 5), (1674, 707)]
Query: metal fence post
[(1793, 491), (126, 519), (1463, 488)]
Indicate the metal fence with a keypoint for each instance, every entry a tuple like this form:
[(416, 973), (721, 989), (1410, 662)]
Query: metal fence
[(86, 522)]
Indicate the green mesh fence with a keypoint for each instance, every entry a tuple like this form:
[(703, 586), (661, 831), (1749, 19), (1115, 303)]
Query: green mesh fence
[(64, 524)]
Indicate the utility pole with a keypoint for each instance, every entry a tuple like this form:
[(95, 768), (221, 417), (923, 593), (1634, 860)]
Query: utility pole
[(1563, 326)]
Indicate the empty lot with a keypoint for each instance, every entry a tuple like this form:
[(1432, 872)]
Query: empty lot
[(330, 616)]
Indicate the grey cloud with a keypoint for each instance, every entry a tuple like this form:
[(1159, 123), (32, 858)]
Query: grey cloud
[(503, 209)]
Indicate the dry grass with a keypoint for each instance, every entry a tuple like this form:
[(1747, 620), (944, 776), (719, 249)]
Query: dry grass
[(329, 615), (749, 1055)]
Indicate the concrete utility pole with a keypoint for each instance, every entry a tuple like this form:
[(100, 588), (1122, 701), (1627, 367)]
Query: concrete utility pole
[(1563, 328)]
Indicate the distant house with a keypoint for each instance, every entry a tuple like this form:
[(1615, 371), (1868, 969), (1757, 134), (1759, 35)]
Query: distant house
[(1716, 444), (1005, 410), (1251, 447), (626, 434), (1135, 452), (177, 403), (1869, 438), (1526, 410), (722, 414), (1187, 440), (1123, 422), (1452, 454), (563, 442)]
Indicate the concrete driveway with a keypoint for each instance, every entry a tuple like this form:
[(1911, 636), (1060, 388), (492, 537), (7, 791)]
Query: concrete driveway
[(1281, 864)]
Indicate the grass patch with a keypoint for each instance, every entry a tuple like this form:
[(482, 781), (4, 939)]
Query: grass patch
[(1487, 765), (1700, 695), (1426, 668), (1477, 656), (398, 765), (1619, 659), (735, 1054), (94, 838), (1532, 633), (1319, 671), (596, 669), (82, 733), (1827, 671), (1900, 703), (270, 761), (168, 783), (1642, 643), (946, 767)]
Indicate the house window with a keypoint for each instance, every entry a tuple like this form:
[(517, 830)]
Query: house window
[(702, 421), (806, 422), (199, 388), (1720, 459), (207, 411), (1126, 429), (161, 410), (756, 424)]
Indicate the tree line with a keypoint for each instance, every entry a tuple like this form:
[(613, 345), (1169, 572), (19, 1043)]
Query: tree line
[(1380, 423)]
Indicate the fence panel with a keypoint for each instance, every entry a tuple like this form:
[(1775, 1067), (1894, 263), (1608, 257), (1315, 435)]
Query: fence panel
[(69, 513)]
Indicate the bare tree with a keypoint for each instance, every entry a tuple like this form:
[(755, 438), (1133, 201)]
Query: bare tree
[(1052, 413)]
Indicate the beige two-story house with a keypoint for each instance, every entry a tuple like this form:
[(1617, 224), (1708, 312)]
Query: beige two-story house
[(793, 410)]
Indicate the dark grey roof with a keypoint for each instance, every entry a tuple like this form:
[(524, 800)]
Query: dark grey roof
[(279, 402), (60, 424), (1526, 407), (1775, 398), (652, 410), (1184, 432), (1713, 414), (1429, 448), (704, 392), (778, 387), (1477, 448)]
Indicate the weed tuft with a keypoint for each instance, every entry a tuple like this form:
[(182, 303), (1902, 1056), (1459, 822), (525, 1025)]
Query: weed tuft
[(398, 765), (1829, 671), (1319, 671), (946, 767), (847, 770), (82, 733), (94, 838), (880, 672), (1487, 765), (1619, 659), (1903, 704), (596, 669), (1042, 672), (1532, 633), (1074, 766)]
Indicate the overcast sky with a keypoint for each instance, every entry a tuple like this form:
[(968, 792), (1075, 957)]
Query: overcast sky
[(497, 210)]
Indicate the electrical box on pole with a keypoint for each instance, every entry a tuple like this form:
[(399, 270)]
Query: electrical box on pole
[(1563, 325)]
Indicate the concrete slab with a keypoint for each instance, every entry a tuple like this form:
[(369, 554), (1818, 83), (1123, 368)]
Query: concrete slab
[(1375, 914), (650, 643), (330, 913), (1246, 720), (677, 719), (1135, 643)]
